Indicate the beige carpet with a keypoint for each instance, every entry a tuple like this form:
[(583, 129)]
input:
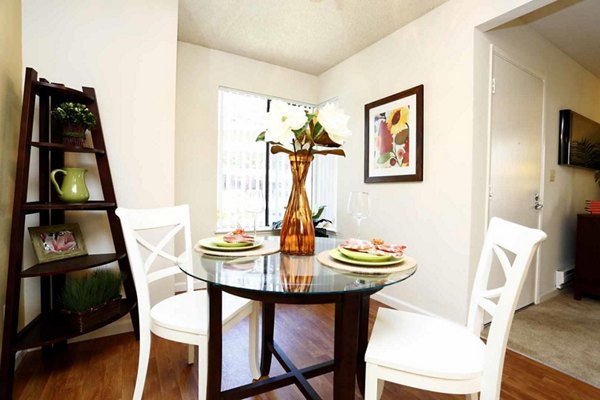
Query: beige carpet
[(562, 333)]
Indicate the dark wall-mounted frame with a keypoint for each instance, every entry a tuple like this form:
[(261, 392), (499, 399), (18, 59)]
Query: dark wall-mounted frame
[(394, 138), (579, 141)]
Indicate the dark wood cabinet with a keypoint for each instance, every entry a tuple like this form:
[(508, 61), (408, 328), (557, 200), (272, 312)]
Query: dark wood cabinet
[(587, 256), (49, 328)]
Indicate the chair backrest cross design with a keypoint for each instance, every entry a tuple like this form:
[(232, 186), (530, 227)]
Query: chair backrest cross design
[(435, 354), (135, 221), (522, 242)]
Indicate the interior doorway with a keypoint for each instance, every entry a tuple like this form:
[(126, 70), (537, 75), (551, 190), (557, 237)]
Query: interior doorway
[(516, 148)]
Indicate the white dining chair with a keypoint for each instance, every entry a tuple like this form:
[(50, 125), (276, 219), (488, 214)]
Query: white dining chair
[(182, 317), (438, 355)]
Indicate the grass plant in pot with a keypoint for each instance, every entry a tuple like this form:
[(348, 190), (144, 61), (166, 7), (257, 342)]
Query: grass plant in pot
[(74, 119), (91, 299)]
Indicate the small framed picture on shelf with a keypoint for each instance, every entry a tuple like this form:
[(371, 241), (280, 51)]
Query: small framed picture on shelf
[(57, 242), (394, 138)]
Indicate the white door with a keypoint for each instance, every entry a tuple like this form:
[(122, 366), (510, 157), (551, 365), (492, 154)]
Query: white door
[(516, 155)]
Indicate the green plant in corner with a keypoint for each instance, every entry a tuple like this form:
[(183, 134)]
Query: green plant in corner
[(85, 293), (318, 222)]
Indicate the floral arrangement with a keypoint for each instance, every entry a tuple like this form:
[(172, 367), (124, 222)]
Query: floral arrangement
[(292, 130)]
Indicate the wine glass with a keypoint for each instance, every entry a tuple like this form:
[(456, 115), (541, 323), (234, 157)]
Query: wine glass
[(359, 207), (254, 204)]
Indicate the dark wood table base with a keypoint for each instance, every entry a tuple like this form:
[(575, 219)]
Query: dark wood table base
[(351, 326)]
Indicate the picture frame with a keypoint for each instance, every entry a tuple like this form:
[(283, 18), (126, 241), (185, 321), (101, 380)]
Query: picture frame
[(57, 242), (394, 138)]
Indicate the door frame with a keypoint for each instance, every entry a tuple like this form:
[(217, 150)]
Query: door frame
[(495, 51)]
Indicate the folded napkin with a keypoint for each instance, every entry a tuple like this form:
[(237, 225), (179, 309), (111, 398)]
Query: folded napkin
[(375, 246), (238, 236)]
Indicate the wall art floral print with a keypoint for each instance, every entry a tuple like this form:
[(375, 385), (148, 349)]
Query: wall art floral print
[(57, 242), (394, 138)]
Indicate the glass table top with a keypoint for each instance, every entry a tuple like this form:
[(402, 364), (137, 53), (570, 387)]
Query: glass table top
[(285, 274)]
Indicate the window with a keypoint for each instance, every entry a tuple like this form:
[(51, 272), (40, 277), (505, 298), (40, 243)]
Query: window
[(245, 164)]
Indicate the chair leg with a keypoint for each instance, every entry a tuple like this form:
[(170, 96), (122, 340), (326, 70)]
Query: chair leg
[(202, 367), (144, 357), (373, 386), (253, 342), (191, 349)]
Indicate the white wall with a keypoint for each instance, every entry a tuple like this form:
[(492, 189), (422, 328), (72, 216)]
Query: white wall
[(200, 72), (127, 52), (567, 85), (434, 218), (10, 113)]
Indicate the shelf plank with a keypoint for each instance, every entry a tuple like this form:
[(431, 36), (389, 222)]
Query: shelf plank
[(36, 206), (65, 93), (51, 328), (66, 148), (71, 264)]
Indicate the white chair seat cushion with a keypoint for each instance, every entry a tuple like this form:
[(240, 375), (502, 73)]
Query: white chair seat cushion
[(187, 312), (423, 345)]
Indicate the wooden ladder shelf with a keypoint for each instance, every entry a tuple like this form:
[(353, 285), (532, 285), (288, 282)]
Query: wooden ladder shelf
[(49, 330)]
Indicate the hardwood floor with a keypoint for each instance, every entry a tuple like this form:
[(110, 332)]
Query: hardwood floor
[(106, 368)]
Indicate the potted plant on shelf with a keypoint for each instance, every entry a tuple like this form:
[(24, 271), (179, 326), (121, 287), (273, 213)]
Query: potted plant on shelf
[(74, 119), (318, 223), (91, 299)]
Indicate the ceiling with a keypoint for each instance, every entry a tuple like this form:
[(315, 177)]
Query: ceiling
[(574, 27), (314, 35), (306, 35)]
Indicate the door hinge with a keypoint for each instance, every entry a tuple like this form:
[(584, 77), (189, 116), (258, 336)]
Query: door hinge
[(493, 85)]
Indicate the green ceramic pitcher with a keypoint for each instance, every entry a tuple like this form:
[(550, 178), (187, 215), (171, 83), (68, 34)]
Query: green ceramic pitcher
[(73, 188)]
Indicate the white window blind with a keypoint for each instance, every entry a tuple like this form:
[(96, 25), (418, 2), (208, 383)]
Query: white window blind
[(245, 164)]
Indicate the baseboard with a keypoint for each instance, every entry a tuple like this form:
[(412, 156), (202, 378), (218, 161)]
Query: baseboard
[(400, 305), (549, 295)]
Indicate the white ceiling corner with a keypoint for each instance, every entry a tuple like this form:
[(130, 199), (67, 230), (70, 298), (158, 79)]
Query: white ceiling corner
[(306, 35), (314, 35), (574, 27)]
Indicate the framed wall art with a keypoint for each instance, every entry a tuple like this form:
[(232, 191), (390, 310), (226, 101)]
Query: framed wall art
[(57, 242), (394, 138)]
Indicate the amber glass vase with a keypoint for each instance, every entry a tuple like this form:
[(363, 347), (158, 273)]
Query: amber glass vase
[(297, 230)]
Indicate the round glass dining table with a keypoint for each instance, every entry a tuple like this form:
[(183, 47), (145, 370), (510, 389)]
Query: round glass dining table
[(279, 278)]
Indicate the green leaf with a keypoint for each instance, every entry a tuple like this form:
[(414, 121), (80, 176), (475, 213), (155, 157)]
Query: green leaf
[(261, 136), (318, 131), (385, 157), (318, 213)]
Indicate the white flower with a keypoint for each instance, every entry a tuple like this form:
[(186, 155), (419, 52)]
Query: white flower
[(282, 118), (335, 122)]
